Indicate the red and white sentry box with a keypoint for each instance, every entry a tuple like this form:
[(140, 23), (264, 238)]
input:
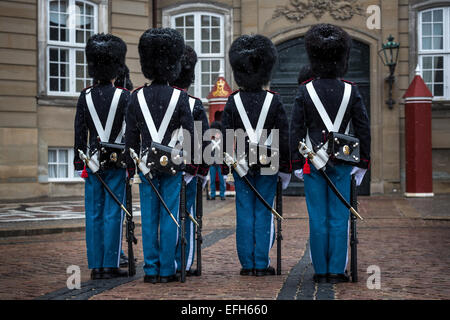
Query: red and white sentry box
[(419, 173)]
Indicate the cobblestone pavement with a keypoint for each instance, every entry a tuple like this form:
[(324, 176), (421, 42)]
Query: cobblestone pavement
[(407, 239)]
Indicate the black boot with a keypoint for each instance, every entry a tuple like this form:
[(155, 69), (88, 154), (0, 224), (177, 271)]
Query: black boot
[(151, 279), (247, 272), (338, 277), (110, 273), (167, 279), (269, 271), (97, 273), (320, 278)]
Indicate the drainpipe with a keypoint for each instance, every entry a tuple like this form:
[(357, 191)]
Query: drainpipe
[(154, 13)]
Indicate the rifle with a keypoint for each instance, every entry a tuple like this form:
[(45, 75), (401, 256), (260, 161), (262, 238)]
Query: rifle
[(199, 216), (130, 231), (353, 233), (279, 206), (146, 172), (183, 229)]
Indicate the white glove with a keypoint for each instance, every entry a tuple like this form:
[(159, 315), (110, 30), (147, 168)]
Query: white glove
[(359, 174), (205, 180), (299, 173), (188, 177), (285, 179)]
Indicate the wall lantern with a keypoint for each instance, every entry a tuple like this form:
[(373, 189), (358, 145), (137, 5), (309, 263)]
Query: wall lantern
[(389, 55)]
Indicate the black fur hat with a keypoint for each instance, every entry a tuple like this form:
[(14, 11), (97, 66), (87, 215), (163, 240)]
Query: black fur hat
[(123, 79), (160, 50), (328, 48), (105, 55), (187, 73), (252, 58), (304, 74)]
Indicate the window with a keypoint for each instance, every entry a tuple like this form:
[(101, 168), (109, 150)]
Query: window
[(434, 50), (60, 166), (70, 24), (205, 33)]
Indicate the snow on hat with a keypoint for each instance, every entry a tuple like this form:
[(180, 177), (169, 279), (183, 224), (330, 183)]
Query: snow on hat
[(105, 55), (328, 48), (252, 58), (160, 50)]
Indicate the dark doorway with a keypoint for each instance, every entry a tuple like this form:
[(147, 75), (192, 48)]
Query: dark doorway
[(291, 58)]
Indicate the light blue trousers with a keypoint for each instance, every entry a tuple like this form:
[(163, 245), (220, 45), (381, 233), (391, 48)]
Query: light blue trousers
[(159, 231), (104, 218), (328, 219), (212, 171), (255, 231)]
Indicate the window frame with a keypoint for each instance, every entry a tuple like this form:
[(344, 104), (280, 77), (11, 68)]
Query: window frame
[(71, 176), (44, 95), (444, 52), (197, 85), (215, 8), (71, 46)]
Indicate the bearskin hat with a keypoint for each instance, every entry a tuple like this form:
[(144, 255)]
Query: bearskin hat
[(328, 48), (187, 73), (252, 58), (160, 50), (123, 79), (304, 74), (105, 55)]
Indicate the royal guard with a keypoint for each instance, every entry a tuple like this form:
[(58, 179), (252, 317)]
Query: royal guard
[(260, 114), (123, 81), (100, 116), (184, 81), (327, 104), (155, 112), (215, 168)]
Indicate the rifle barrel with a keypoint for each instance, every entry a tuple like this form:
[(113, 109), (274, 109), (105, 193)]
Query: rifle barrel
[(199, 216), (353, 234), (183, 229), (130, 231), (279, 236)]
